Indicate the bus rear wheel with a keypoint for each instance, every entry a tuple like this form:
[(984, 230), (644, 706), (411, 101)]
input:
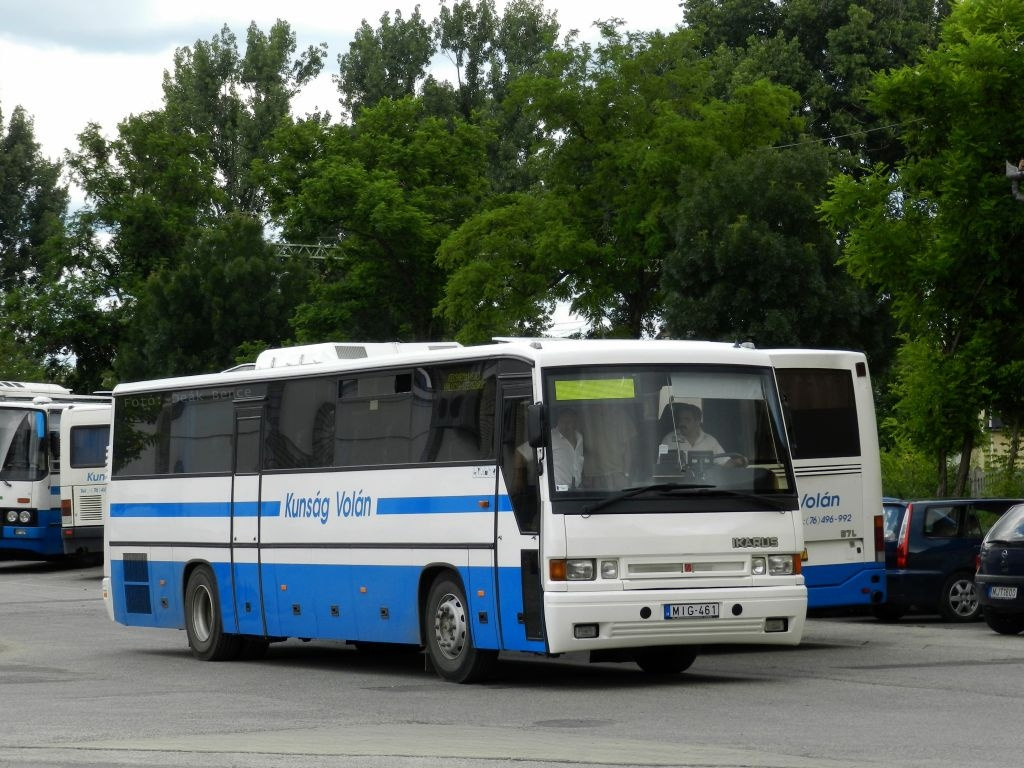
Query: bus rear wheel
[(665, 659), (449, 636), (206, 636)]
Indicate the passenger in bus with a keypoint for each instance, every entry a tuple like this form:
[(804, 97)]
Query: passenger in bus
[(567, 450), (689, 435), (611, 445)]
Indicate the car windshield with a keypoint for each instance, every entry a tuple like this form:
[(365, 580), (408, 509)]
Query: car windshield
[(1009, 528), (22, 446), (690, 429)]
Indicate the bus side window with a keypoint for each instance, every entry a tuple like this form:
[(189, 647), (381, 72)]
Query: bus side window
[(519, 466)]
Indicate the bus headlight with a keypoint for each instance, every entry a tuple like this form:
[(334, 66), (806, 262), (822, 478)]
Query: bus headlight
[(577, 569), (780, 565), (775, 565), (11, 516), (609, 569), (24, 516)]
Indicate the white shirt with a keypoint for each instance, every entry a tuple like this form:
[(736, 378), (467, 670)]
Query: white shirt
[(672, 442), (567, 459)]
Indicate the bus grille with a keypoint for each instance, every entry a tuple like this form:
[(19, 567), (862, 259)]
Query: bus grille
[(136, 583), (90, 508)]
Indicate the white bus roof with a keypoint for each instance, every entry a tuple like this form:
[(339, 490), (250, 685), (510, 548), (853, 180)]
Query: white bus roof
[(332, 352), (821, 358), (24, 390), (543, 352)]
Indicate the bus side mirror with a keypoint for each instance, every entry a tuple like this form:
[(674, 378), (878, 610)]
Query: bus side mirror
[(536, 425)]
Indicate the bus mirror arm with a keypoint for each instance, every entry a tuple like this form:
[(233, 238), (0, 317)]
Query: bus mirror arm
[(536, 425)]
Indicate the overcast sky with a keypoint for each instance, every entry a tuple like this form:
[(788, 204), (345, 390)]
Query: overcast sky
[(71, 62)]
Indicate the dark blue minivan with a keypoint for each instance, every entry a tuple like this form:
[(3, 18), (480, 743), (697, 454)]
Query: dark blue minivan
[(931, 553)]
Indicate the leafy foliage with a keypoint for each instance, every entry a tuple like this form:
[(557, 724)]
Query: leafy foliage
[(938, 230)]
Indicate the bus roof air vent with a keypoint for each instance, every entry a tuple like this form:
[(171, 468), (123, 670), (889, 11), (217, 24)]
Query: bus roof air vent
[(312, 354)]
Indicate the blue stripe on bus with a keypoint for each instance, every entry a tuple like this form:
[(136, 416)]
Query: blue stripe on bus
[(420, 505), (195, 509), (433, 505)]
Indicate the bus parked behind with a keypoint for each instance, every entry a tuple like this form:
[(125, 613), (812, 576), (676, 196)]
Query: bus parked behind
[(84, 437), (30, 519), (830, 417)]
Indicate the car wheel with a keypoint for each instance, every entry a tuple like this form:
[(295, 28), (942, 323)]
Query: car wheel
[(1004, 623), (959, 601)]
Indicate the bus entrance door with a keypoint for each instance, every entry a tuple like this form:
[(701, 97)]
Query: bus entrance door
[(246, 572), (518, 526)]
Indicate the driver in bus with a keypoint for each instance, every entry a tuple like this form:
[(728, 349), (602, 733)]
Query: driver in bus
[(689, 435)]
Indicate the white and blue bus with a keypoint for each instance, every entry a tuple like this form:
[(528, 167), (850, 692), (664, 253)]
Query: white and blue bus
[(830, 417), (84, 437), (392, 494), (30, 449)]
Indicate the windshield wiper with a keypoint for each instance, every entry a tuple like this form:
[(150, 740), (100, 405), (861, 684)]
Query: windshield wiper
[(628, 493), (695, 489)]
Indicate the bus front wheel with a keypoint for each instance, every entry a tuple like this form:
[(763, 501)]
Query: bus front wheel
[(665, 659), (206, 636), (449, 635)]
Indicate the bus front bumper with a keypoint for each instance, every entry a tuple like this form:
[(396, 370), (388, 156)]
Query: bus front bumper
[(586, 621)]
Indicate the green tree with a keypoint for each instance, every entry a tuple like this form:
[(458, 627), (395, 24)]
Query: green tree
[(35, 342), (622, 120), (194, 317), (509, 264), (938, 232), (174, 177), (388, 62), (826, 52), (754, 262), (385, 192)]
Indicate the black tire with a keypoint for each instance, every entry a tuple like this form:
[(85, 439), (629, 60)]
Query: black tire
[(888, 611), (449, 636), (959, 600), (1004, 623), (206, 636), (665, 659), (252, 648)]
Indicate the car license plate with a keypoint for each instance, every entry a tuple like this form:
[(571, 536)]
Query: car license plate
[(691, 611), (1002, 593)]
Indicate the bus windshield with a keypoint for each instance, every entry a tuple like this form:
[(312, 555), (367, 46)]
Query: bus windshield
[(681, 429), (22, 447)]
